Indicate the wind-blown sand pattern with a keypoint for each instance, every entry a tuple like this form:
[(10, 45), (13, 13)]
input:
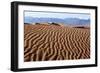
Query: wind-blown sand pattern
[(51, 42)]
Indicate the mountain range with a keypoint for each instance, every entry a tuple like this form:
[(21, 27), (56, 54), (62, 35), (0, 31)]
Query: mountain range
[(71, 21)]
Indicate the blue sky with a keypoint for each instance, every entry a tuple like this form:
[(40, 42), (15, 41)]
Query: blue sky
[(56, 15)]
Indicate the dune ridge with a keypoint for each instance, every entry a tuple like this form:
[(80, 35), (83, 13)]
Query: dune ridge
[(44, 43)]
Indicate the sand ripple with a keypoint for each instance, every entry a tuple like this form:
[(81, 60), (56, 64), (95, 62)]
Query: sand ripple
[(42, 43)]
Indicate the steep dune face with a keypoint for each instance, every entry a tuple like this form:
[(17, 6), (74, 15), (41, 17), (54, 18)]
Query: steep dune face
[(43, 43)]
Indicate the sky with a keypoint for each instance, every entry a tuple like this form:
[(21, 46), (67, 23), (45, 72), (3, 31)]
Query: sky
[(56, 15)]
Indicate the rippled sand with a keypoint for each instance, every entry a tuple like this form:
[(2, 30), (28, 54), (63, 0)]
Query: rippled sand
[(52, 42)]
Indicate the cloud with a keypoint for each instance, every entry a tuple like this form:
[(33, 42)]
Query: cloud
[(61, 15)]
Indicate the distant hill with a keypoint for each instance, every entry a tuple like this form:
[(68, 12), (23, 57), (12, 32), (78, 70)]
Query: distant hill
[(71, 21)]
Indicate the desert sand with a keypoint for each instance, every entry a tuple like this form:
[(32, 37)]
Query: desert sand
[(52, 42)]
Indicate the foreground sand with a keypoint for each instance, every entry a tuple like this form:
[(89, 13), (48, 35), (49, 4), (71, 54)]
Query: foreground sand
[(52, 42)]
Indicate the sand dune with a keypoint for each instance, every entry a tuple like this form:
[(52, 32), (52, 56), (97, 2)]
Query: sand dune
[(43, 43)]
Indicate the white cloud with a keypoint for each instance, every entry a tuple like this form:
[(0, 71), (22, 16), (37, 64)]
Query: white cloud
[(56, 15)]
